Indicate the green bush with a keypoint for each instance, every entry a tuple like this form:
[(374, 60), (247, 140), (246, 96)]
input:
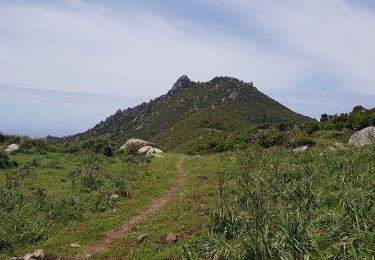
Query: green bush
[(276, 204), (6, 162), (88, 179)]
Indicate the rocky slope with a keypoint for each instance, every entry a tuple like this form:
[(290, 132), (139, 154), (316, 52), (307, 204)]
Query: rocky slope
[(192, 111)]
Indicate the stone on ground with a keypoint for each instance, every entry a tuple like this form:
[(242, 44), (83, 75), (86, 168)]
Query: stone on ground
[(132, 141), (301, 149), (36, 255), (364, 137), (144, 149), (141, 238), (149, 150), (12, 148)]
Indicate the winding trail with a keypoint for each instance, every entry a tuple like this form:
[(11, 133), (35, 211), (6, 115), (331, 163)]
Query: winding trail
[(147, 212)]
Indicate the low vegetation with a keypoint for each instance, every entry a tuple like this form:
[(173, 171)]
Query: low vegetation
[(43, 187), (247, 194), (276, 204)]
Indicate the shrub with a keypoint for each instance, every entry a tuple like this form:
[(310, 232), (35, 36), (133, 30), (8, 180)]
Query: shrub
[(301, 141), (108, 151), (88, 179), (132, 149), (6, 162)]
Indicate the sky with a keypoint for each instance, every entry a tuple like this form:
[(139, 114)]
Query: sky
[(315, 56)]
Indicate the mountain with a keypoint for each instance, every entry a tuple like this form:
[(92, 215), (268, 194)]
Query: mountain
[(192, 111)]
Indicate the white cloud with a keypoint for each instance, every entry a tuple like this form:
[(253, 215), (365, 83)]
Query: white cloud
[(87, 48), (332, 36)]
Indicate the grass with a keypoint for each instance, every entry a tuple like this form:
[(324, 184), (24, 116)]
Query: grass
[(277, 204), (254, 204), (84, 223), (187, 214)]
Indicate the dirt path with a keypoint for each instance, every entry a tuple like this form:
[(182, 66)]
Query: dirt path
[(126, 227)]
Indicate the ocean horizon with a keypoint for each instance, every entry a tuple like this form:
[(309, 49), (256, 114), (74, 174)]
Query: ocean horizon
[(38, 113)]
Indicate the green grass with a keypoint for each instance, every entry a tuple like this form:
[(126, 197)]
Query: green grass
[(255, 204), (187, 213), (145, 182), (277, 204)]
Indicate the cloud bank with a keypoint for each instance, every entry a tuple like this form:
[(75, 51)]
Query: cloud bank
[(123, 48)]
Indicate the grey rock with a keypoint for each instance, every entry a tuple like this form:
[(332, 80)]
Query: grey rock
[(171, 237), (75, 245), (141, 238), (144, 149), (149, 150), (364, 137), (181, 83), (36, 255), (132, 141), (301, 149), (12, 148), (114, 196)]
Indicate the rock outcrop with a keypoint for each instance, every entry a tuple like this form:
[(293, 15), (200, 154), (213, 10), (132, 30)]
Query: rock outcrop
[(181, 83), (149, 150), (364, 137), (132, 141), (301, 149), (12, 148)]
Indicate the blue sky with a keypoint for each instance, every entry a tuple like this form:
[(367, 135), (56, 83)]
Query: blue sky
[(316, 56)]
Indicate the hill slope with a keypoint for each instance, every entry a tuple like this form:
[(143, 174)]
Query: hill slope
[(191, 111)]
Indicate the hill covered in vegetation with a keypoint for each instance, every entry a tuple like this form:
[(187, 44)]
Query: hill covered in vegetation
[(192, 111)]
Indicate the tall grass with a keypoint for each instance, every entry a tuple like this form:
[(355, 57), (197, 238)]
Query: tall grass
[(277, 204)]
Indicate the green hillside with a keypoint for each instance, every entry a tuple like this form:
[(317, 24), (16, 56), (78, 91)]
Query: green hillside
[(192, 111)]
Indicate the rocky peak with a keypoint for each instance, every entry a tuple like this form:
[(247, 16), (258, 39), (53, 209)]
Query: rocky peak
[(181, 83)]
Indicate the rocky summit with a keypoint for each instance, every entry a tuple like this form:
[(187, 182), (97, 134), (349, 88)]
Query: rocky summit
[(192, 111)]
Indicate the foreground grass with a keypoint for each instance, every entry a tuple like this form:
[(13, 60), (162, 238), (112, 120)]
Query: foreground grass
[(187, 213), (276, 204), (97, 213)]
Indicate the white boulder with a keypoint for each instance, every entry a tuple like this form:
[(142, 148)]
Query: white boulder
[(149, 150), (158, 151), (301, 149), (12, 148), (144, 149), (364, 137), (132, 141)]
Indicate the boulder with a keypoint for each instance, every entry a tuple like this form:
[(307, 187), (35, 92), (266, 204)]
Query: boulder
[(144, 149), (36, 255), (171, 237), (114, 196), (149, 150), (141, 238), (301, 149), (75, 245), (132, 141), (158, 151), (12, 148), (364, 137)]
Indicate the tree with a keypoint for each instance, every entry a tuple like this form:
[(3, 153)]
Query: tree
[(357, 109), (323, 118)]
